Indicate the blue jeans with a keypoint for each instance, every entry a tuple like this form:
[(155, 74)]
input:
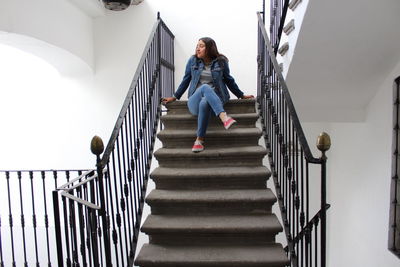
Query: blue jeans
[(201, 103)]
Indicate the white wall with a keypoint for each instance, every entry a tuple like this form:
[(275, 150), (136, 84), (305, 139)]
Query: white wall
[(56, 22), (231, 23), (359, 172), (112, 44)]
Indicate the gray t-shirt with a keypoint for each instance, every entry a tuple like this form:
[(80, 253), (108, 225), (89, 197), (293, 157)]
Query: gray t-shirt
[(205, 77)]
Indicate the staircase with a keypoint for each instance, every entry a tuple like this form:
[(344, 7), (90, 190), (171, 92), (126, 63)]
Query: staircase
[(211, 208)]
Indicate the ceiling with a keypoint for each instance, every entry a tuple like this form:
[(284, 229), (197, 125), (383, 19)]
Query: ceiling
[(345, 50)]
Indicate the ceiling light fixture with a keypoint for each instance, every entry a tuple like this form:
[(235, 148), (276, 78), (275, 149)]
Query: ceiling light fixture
[(117, 5)]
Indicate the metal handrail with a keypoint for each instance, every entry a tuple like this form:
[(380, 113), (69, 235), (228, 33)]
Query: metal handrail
[(109, 204), (278, 9), (290, 155), (111, 143), (309, 156)]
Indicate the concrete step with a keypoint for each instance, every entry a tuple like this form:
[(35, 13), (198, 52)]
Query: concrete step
[(216, 157), (271, 255), (188, 121), (234, 106), (283, 49), (212, 230), (289, 27), (293, 4), (195, 202), (215, 138), (254, 177)]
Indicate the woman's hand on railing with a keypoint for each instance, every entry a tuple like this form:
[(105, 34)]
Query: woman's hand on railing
[(247, 96), (166, 100)]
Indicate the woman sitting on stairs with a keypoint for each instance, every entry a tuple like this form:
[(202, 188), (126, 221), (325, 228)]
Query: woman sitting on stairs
[(207, 73)]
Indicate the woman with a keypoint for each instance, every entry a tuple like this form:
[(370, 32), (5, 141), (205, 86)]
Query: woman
[(207, 76)]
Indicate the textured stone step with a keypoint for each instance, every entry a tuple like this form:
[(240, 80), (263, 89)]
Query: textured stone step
[(254, 177), (188, 121), (195, 202), (216, 157), (212, 256), (234, 106), (214, 138), (212, 230)]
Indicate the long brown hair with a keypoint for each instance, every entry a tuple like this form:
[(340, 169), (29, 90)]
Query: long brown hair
[(211, 49)]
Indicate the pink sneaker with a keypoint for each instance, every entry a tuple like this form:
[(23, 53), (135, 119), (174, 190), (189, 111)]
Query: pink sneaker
[(198, 146), (228, 123)]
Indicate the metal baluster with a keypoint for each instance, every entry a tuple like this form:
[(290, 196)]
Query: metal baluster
[(129, 193), (126, 192), (87, 218), (316, 221), (34, 218), (46, 218), (136, 174), (107, 224), (98, 229), (55, 178), (296, 170), (307, 198), (74, 243), (10, 216), (117, 215), (67, 219), (1, 248), (81, 221), (302, 212), (121, 172), (131, 172), (137, 135), (111, 206), (22, 217)]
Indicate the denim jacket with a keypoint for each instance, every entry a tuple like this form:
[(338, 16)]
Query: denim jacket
[(220, 75)]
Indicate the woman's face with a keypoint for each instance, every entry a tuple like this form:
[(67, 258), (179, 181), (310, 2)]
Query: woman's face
[(201, 50)]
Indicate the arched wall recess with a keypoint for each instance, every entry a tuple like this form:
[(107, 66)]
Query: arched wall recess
[(65, 62)]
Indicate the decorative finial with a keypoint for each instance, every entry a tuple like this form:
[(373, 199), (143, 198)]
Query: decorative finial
[(323, 142), (96, 145)]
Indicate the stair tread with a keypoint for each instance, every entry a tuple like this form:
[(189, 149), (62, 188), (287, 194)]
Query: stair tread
[(214, 172), (226, 195), (190, 116), (263, 255), (211, 152), (231, 102), (212, 132), (212, 224)]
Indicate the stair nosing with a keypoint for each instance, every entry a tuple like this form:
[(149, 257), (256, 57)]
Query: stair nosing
[(268, 223)]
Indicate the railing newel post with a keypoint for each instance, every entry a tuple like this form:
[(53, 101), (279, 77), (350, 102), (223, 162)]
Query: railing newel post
[(57, 225), (323, 144), (97, 148)]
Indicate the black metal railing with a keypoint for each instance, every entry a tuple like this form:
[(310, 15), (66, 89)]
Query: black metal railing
[(278, 11), (394, 211), (292, 164), (99, 213), (26, 216)]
